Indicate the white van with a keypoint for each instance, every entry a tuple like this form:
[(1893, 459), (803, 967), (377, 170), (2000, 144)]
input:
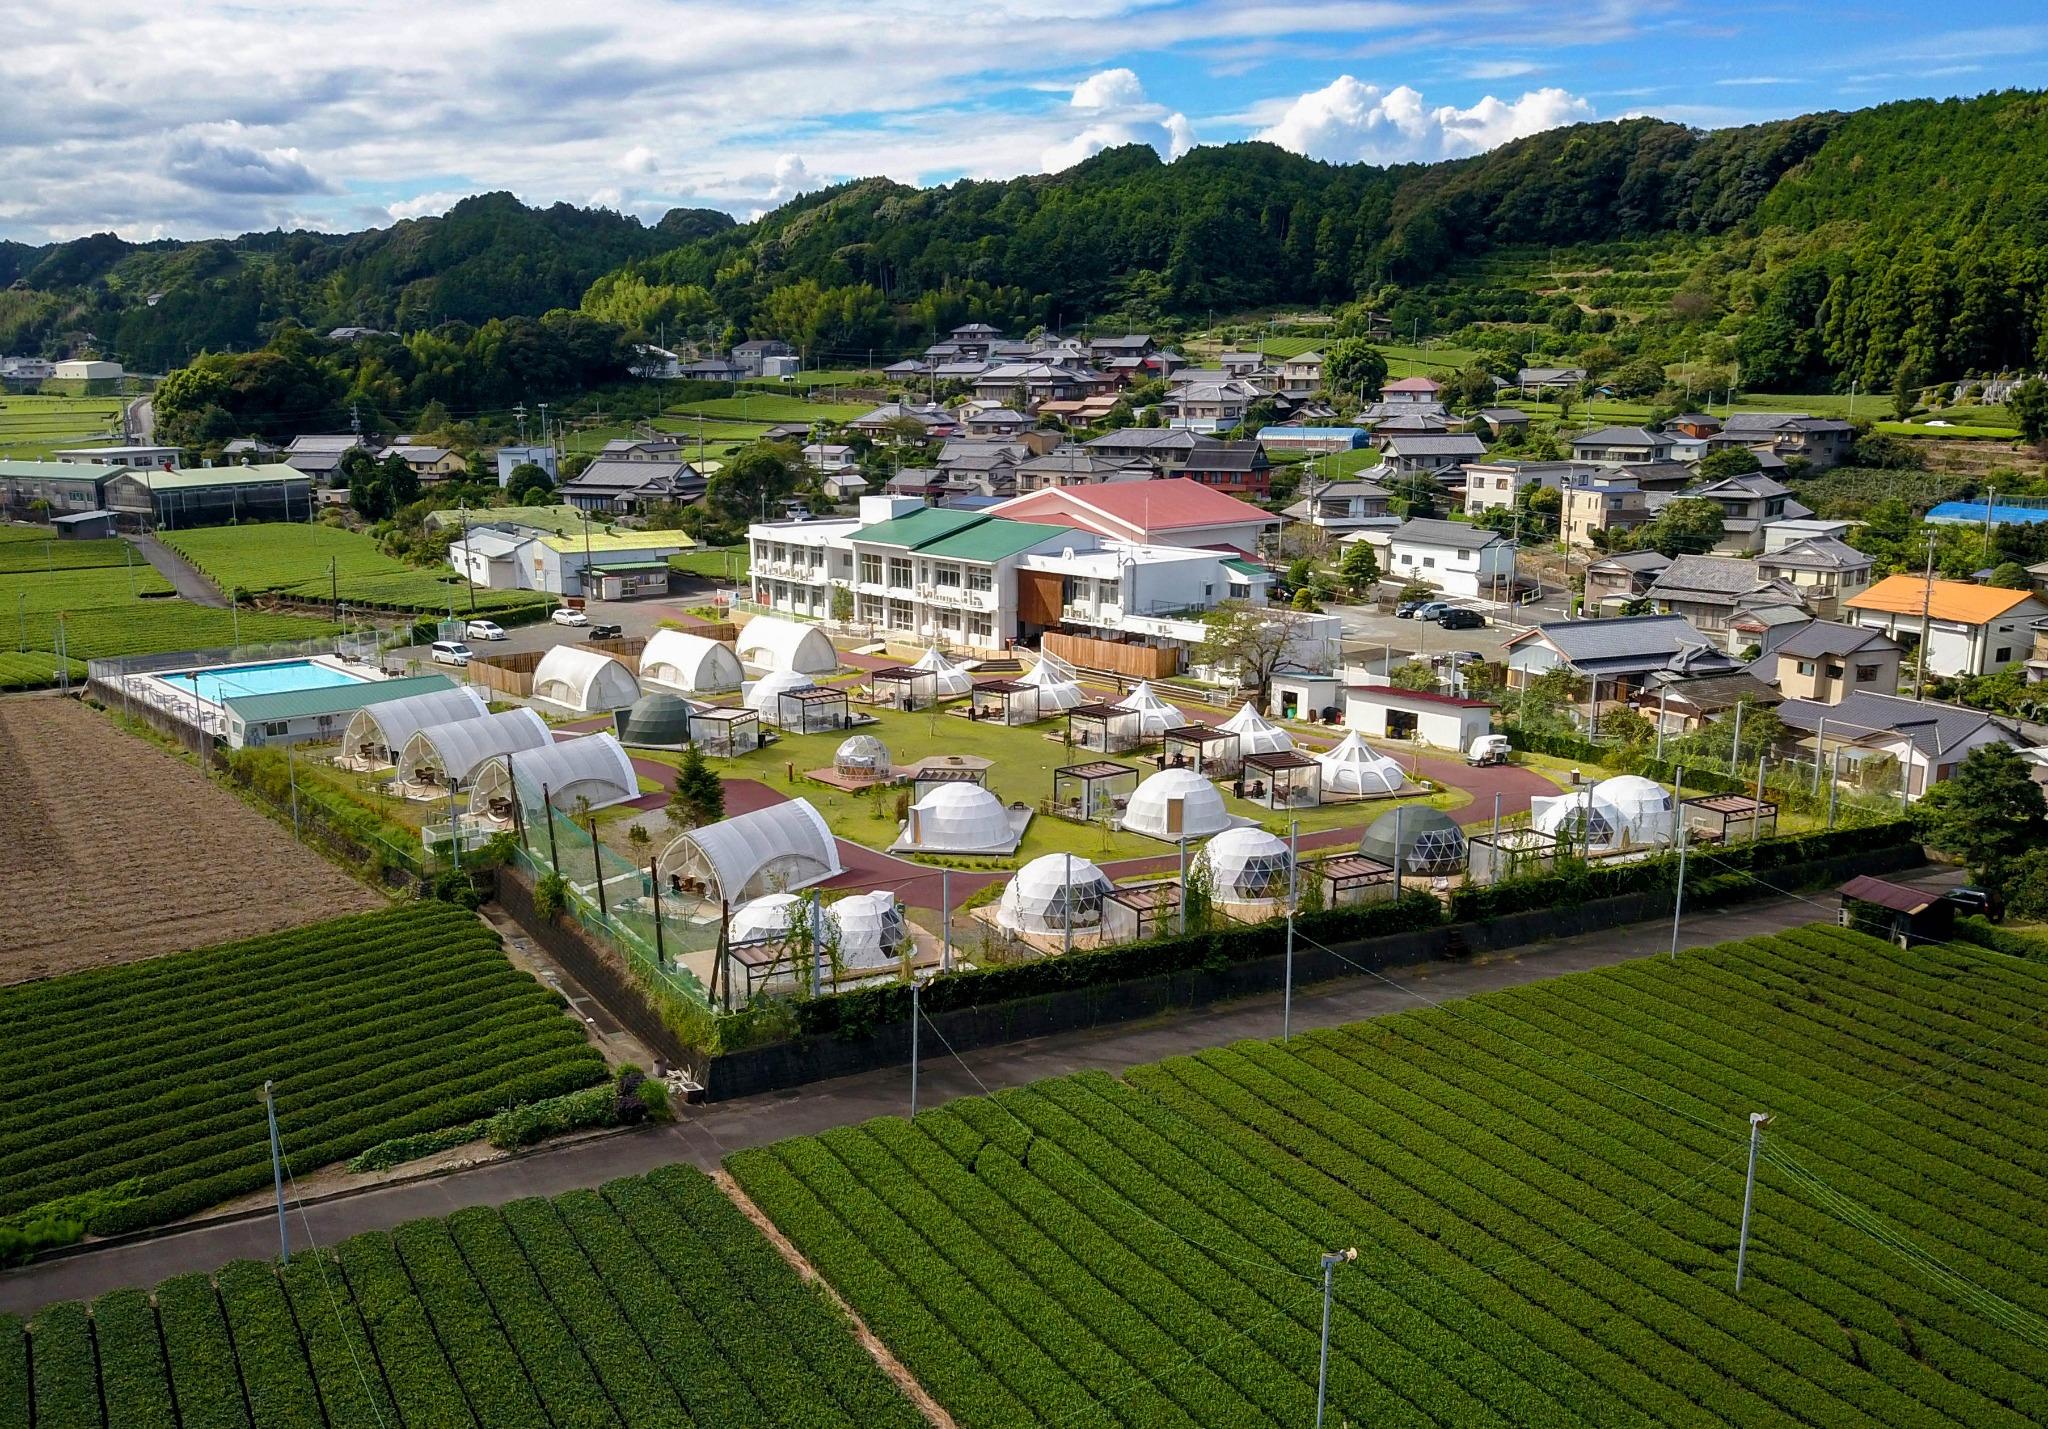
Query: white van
[(451, 652)]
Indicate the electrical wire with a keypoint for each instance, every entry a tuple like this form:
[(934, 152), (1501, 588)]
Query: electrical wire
[(334, 1303)]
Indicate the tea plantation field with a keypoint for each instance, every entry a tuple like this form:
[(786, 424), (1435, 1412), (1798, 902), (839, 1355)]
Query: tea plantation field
[(322, 562)]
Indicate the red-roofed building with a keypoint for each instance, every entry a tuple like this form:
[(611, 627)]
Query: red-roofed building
[(1172, 511), (1412, 390), (1389, 712)]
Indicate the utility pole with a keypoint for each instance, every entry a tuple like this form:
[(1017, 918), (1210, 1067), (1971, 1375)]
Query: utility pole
[(1182, 850), (1663, 698), (1331, 1260), (1067, 899), (914, 1014), (284, 1240), (468, 579), (1293, 897), (817, 936), (1757, 1122), (1926, 621), (1678, 903), (945, 920)]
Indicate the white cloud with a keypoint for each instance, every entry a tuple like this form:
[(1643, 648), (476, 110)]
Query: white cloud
[(639, 160), (1501, 69), (1348, 120), (1746, 80), (1180, 135), (1109, 89), (423, 205), (791, 178)]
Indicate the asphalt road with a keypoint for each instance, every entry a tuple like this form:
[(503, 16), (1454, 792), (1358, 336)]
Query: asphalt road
[(704, 1136)]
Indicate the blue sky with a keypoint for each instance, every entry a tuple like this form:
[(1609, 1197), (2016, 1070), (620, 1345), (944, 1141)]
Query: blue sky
[(216, 116)]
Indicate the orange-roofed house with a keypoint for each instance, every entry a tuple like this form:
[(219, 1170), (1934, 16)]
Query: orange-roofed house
[(1171, 511), (1971, 629)]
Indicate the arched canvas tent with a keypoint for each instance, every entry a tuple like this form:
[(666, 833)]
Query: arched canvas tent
[(778, 849), (657, 720), (690, 664), (959, 818), (1177, 804), (870, 928), (1043, 893), (451, 754), (768, 642), (1430, 840), (591, 772), (584, 681), (949, 681), (377, 733), (1355, 767), (1058, 689), (1247, 865), (1155, 716), (1255, 733)]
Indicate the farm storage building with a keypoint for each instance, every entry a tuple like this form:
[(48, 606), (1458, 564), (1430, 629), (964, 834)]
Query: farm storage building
[(377, 732), (592, 772), (1355, 767), (768, 642), (773, 850), (1247, 865), (949, 681), (154, 500), (1049, 891), (1440, 721), (1155, 716), (960, 818), (691, 664), (442, 755), (1177, 804), (584, 681), (657, 720), (1255, 733), (1427, 841)]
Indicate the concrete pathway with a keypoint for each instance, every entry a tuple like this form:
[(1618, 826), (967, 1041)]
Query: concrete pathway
[(704, 1136), (182, 574)]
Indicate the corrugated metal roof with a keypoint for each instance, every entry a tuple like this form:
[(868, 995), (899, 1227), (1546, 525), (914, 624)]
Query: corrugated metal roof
[(203, 478), (612, 542), (994, 539), (331, 699), (918, 529)]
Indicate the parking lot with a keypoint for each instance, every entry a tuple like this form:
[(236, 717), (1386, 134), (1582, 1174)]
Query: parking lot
[(633, 617)]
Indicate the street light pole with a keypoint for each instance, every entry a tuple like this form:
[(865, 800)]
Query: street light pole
[(913, 1045), (1293, 897), (1331, 1261)]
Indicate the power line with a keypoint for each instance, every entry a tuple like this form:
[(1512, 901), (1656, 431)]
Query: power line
[(320, 1265)]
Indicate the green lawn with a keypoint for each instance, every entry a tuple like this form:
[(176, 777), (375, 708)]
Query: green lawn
[(31, 427), (768, 407), (725, 563), (824, 377)]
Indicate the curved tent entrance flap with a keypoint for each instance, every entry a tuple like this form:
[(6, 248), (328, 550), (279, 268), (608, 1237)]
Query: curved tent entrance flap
[(689, 664)]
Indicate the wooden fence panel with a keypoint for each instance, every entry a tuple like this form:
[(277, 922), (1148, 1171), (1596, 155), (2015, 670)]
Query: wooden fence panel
[(1137, 662)]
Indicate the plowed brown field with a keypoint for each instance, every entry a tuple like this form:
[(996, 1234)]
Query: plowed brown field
[(112, 850)]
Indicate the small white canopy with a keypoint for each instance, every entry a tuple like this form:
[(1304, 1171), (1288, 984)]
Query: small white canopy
[(863, 754), (1177, 804), (1256, 734), (1155, 716), (1247, 865), (593, 771), (1058, 690), (452, 753), (1355, 767), (871, 927), (959, 818), (764, 696), (690, 664), (376, 733), (1039, 898), (764, 918), (949, 680), (584, 681), (768, 642), (778, 849)]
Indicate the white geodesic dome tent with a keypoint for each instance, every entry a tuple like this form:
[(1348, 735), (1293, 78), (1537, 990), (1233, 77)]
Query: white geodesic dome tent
[(1177, 804), (1627, 811), (764, 696), (584, 681), (1355, 767), (959, 817), (1247, 865), (1155, 716), (689, 664), (1255, 733), (949, 681), (452, 753), (376, 733), (593, 772), (1423, 840), (768, 642), (863, 756), (778, 849), (871, 927), (1054, 679), (1043, 894), (1649, 813), (762, 919)]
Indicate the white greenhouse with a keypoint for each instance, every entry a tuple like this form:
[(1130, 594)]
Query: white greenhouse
[(592, 772), (863, 756), (1155, 716), (778, 849), (444, 756), (1355, 767), (1058, 689), (1177, 804), (1255, 733), (1247, 865), (1051, 893), (689, 664), (376, 733), (949, 681), (584, 681), (960, 817), (871, 929), (768, 642), (1624, 812), (763, 919)]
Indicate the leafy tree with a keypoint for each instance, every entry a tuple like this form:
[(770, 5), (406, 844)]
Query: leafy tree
[(1354, 367), (1985, 814), (1688, 526), (1727, 462), (2029, 407), (1252, 641), (1641, 378), (1905, 391), (1415, 495), (1305, 600), (1360, 566), (2011, 575), (1413, 675), (528, 484)]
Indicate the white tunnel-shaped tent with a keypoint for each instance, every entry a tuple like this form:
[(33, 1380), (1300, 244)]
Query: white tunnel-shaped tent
[(584, 681), (593, 772), (1058, 689), (1256, 734), (768, 642), (870, 928), (377, 733), (1177, 804), (778, 849), (1045, 892), (1155, 716), (959, 817), (1355, 767), (949, 681), (452, 753), (689, 664), (1247, 865)]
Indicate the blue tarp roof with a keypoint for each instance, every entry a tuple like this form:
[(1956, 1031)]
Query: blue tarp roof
[(1998, 512), (1355, 435)]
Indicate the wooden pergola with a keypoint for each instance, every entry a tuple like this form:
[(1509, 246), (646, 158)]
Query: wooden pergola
[(1007, 701), (1107, 728), (898, 686), (816, 708), (1209, 751), (1355, 878), (1093, 787), (1138, 912), (1282, 779), (1718, 818)]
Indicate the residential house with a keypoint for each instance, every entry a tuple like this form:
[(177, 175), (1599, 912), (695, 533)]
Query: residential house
[(1073, 465), (1709, 590), (1451, 556), (1616, 656), (596, 561), (1694, 426), (1165, 449), (1036, 383), (844, 485), (1661, 477), (1621, 446), (1780, 534), (1925, 738), (910, 369), (997, 422), (1537, 380), (1317, 441), (751, 357), (1502, 420), (974, 339), (428, 463), (1241, 364), (1821, 441), (882, 423), (829, 458), (1749, 503), (628, 476), (985, 466), (1426, 455), (510, 459), (710, 369), (1302, 370), (1824, 571), (1971, 629), (1210, 406), (1345, 506), (1150, 595), (1621, 578), (318, 456), (1240, 468), (1825, 662), (1498, 485), (1601, 503), (1170, 511), (27, 369), (1408, 424), (655, 364), (1409, 391), (1106, 349), (1689, 702)]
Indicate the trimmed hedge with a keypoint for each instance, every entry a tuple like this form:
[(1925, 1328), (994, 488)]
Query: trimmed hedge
[(1985, 934), (1559, 746)]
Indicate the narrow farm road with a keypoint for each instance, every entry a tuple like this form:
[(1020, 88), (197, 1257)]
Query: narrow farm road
[(181, 573)]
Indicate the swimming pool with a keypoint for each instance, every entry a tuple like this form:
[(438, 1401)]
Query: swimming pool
[(271, 678)]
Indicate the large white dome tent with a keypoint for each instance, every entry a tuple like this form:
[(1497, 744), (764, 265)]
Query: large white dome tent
[(444, 755), (778, 849), (1058, 687), (376, 733), (1247, 865), (960, 817), (592, 772), (764, 696), (584, 681), (1042, 895), (768, 642), (1177, 804), (1155, 716), (1624, 812), (1649, 813), (1255, 733), (949, 681), (762, 919), (1355, 767), (689, 664), (871, 928)]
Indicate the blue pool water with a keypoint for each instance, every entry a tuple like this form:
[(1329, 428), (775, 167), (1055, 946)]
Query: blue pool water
[(272, 678)]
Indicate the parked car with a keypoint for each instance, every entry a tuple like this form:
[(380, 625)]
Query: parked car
[(569, 615), (451, 652), (483, 630), (1456, 617), (1487, 749), (1973, 900), (1408, 608), (604, 632), (1431, 609)]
